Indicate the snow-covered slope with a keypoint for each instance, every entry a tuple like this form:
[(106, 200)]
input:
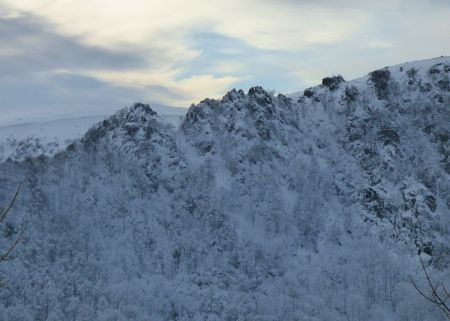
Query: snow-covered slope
[(19, 140), (255, 208)]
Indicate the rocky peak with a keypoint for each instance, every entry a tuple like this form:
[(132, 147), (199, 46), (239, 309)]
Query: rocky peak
[(333, 82), (259, 95), (139, 120), (233, 95), (140, 109)]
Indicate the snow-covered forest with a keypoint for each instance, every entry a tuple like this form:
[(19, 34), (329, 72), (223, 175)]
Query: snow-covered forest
[(314, 206)]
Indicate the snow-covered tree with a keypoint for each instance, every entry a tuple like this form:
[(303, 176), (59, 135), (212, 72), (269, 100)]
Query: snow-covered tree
[(8, 243)]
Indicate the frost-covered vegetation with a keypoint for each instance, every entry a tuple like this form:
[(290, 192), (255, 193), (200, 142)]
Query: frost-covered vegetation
[(256, 208)]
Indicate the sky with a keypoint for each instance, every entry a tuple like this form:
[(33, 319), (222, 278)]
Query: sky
[(85, 57)]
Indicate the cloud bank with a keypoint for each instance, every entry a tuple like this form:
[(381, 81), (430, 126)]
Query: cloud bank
[(99, 52)]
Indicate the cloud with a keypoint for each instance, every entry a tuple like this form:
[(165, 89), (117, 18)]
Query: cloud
[(31, 46), (41, 67), (31, 53), (178, 52), (184, 91), (6, 14), (263, 24), (378, 44)]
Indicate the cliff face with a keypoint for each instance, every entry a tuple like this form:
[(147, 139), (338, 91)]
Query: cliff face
[(256, 208)]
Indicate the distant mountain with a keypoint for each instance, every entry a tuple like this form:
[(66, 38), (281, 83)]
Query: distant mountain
[(255, 208)]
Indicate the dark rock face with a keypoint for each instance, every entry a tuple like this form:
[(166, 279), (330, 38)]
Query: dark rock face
[(430, 200), (260, 95), (233, 95), (308, 93), (131, 129), (439, 68), (389, 136), (145, 108), (332, 83), (435, 69), (373, 202), (426, 248), (380, 78), (411, 73), (444, 84), (195, 114), (350, 94)]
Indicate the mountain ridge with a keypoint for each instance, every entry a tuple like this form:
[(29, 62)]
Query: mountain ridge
[(257, 207)]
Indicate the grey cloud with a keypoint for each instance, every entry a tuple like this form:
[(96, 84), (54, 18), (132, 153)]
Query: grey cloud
[(30, 50), (64, 94), (358, 4), (36, 47)]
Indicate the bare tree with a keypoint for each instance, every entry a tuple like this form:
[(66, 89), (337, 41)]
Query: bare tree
[(437, 293), (5, 255)]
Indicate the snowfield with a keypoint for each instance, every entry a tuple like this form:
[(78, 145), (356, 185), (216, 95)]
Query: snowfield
[(252, 207)]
